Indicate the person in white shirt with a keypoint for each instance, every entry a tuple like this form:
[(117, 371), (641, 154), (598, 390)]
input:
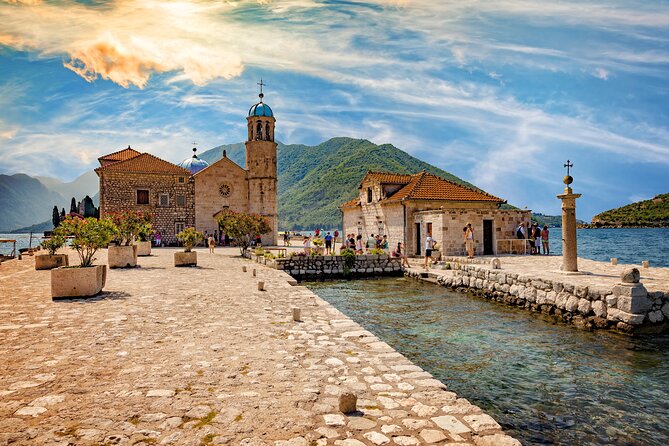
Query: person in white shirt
[(429, 244)]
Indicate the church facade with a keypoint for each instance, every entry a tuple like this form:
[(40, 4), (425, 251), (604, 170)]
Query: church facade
[(194, 193)]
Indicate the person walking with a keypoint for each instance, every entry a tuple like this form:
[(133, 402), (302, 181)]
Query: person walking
[(358, 244), (469, 240), (371, 243), (328, 244), (212, 243), (429, 243), (544, 241), (384, 244), (307, 245), (399, 252)]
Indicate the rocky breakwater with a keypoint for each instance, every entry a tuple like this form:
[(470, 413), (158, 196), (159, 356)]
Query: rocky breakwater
[(627, 306), (333, 267)]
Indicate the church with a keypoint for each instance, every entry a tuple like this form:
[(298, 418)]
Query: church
[(193, 193)]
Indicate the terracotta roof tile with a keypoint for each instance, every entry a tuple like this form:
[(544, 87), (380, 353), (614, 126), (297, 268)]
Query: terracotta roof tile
[(121, 155), (426, 186), (351, 203), (388, 177), (144, 163)]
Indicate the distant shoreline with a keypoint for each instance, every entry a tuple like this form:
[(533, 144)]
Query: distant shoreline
[(611, 226)]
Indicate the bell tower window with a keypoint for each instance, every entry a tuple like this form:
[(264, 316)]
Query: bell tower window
[(259, 131), (267, 133)]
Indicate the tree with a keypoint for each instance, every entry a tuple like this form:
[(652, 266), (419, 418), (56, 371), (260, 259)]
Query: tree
[(243, 227), (89, 207), (62, 214), (55, 217), (89, 235), (73, 206)]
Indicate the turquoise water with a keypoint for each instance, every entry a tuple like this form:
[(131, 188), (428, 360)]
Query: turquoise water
[(546, 383)]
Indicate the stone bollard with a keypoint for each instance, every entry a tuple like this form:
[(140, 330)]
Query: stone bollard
[(645, 264), (496, 264), (254, 272), (348, 402), (261, 286), (243, 269), (297, 314), (614, 261)]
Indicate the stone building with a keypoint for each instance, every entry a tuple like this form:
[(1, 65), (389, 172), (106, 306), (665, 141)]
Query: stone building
[(193, 193), (408, 207)]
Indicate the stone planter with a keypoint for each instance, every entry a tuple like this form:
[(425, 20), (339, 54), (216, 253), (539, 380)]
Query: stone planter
[(185, 258), (46, 261), (143, 248), (78, 282), (122, 256)]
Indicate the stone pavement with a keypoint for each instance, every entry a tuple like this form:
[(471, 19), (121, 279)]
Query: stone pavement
[(198, 356)]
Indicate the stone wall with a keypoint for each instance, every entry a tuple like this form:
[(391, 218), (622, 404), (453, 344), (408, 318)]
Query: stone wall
[(332, 267), (626, 307), (118, 192)]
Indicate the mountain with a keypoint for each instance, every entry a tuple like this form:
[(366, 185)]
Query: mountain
[(86, 184), (315, 180), (39, 227), (25, 201), (646, 213), (554, 221)]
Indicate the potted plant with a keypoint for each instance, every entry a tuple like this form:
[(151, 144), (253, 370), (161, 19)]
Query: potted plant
[(144, 238), (318, 243), (51, 259), (189, 237), (88, 236), (123, 254)]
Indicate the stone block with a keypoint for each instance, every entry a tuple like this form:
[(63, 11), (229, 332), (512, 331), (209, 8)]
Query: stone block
[(655, 316), (572, 304), (550, 297), (496, 264), (581, 291), (599, 308), (122, 256), (631, 290), (665, 309), (611, 300), (630, 275), (185, 258), (47, 261), (143, 248), (561, 299), (634, 304), (584, 306), (622, 316), (78, 282)]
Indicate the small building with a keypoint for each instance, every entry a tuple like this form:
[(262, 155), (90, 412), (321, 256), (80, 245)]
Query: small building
[(406, 208), (194, 193)]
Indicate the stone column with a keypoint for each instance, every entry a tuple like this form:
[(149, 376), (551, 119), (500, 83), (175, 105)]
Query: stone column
[(569, 252)]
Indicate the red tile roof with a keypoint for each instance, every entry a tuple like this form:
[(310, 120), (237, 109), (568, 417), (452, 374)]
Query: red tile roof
[(387, 177), (121, 155), (426, 186), (351, 203), (144, 163)]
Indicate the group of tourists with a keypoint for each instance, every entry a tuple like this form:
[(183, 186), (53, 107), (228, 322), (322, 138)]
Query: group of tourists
[(536, 237), (373, 242), (219, 238), (320, 240)]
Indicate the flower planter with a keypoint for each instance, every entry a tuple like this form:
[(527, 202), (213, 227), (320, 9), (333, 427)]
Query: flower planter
[(78, 282), (185, 258), (122, 256), (143, 249), (46, 261)]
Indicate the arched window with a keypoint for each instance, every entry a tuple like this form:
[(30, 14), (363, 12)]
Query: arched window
[(259, 131), (250, 132), (267, 134)]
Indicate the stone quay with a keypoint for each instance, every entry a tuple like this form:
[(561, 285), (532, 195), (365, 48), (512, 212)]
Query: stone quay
[(605, 296), (199, 356)]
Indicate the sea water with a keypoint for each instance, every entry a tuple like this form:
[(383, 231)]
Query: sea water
[(545, 382)]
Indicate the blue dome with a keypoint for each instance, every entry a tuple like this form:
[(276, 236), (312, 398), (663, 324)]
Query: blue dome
[(260, 109), (193, 164)]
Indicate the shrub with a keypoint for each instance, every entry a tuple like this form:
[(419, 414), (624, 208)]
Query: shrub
[(89, 235), (54, 243), (377, 251), (317, 241), (269, 255), (348, 255), (259, 251), (189, 237), (128, 225), (243, 227)]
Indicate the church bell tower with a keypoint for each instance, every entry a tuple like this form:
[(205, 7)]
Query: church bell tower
[(261, 166)]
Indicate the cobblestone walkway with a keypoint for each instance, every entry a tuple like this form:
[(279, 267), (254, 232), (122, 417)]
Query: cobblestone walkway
[(198, 356)]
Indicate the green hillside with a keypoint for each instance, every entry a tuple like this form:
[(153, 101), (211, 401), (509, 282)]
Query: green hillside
[(24, 201), (315, 180), (647, 213)]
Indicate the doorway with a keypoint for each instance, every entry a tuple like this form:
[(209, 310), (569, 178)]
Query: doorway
[(488, 238), (418, 239)]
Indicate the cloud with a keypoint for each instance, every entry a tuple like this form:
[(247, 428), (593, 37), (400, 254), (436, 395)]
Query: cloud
[(602, 74)]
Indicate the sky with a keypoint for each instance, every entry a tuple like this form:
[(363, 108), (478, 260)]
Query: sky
[(500, 93)]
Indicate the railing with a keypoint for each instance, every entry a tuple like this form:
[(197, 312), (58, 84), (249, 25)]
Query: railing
[(13, 242)]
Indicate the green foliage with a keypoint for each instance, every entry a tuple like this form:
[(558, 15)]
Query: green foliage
[(55, 217), (189, 237), (377, 252), (89, 235), (315, 180), (129, 224), (348, 256), (269, 255), (317, 241), (653, 213), (89, 207), (54, 243), (145, 231), (73, 206), (259, 251), (243, 227)]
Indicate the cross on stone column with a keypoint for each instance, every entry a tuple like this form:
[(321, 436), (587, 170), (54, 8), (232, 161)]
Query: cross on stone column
[(569, 165)]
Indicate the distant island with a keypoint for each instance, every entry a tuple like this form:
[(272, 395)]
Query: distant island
[(653, 213)]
